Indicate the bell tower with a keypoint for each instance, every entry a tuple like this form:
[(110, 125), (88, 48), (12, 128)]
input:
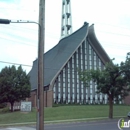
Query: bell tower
[(66, 19)]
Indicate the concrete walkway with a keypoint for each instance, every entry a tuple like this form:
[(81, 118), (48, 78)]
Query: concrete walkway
[(18, 128)]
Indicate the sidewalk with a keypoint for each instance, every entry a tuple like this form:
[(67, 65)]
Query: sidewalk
[(18, 128)]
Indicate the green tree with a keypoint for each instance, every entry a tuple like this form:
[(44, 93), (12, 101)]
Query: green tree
[(14, 85), (114, 81)]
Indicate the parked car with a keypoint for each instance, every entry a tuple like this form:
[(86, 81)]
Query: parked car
[(128, 115)]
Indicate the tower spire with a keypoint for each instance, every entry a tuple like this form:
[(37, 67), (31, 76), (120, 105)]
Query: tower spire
[(66, 18)]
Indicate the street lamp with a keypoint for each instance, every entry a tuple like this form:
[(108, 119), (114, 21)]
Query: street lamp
[(40, 93), (7, 21)]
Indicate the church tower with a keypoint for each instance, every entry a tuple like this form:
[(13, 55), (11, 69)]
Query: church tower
[(66, 19)]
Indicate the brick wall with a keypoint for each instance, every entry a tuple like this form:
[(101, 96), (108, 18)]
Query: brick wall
[(33, 98), (48, 99), (127, 100)]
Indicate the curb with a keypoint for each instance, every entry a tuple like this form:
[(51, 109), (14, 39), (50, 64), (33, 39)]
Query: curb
[(59, 121)]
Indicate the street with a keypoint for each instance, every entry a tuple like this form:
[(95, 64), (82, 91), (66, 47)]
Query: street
[(94, 125), (100, 125)]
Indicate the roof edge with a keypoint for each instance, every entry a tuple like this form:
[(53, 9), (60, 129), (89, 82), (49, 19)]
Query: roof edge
[(93, 39), (85, 24)]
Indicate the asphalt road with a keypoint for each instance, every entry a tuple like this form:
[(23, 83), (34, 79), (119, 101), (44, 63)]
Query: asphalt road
[(100, 125), (95, 125)]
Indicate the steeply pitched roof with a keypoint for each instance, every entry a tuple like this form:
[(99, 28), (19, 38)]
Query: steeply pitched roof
[(56, 58), (96, 45)]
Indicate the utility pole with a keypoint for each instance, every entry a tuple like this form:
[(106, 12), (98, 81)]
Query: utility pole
[(41, 40), (40, 90)]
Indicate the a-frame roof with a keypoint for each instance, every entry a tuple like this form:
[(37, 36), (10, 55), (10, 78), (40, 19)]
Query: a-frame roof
[(57, 57)]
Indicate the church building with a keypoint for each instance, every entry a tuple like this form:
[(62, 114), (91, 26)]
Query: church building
[(78, 51), (75, 51)]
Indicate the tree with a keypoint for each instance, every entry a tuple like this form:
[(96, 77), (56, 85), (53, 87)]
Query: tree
[(14, 85), (114, 81)]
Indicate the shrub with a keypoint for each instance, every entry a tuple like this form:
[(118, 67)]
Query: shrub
[(2, 105), (6, 109)]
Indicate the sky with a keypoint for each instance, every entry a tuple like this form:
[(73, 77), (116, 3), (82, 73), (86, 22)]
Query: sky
[(19, 42)]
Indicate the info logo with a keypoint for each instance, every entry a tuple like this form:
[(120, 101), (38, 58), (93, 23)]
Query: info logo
[(122, 124)]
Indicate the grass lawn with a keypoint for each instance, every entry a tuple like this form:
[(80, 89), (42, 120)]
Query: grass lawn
[(64, 112)]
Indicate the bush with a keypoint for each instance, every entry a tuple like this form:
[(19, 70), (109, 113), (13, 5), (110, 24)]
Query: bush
[(2, 105), (6, 109)]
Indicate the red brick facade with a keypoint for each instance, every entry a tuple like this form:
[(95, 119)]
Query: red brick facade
[(127, 100), (48, 98)]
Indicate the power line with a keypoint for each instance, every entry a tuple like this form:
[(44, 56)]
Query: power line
[(23, 28), (15, 63), (5, 8), (112, 25), (114, 33), (18, 42)]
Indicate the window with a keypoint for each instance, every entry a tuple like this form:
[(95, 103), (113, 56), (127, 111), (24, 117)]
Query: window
[(63, 79), (63, 82), (63, 95), (68, 64), (68, 77), (59, 89), (59, 84), (63, 74), (85, 50), (77, 88), (59, 97), (54, 95), (82, 90), (54, 88), (95, 63), (90, 62), (77, 96), (81, 62), (95, 67), (82, 96), (81, 56), (96, 97), (90, 52), (100, 96), (72, 60), (63, 89), (72, 65), (73, 90), (94, 58), (81, 49), (91, 90), (73, 96), (81, 67)]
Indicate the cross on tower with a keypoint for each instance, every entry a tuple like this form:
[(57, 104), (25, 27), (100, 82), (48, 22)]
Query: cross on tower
[(66, 19)]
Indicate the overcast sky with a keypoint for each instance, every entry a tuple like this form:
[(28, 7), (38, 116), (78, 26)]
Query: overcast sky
[(18, 42)]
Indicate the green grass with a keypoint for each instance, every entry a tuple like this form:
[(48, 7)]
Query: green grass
[(64, 112)]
